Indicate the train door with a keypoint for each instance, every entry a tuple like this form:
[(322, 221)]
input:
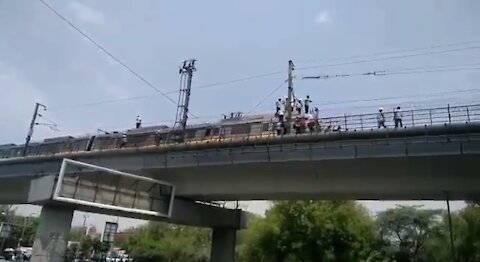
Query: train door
[(90, 143), (208, 131)]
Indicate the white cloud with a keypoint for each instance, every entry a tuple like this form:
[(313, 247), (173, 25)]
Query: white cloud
[(87, 14), (323, 17)]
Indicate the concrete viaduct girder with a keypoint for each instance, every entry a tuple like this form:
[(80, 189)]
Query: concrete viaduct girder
[(419, 167)]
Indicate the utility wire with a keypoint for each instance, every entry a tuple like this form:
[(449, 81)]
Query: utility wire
[(360, 61), (388, 52), (432, 71), (398, 97), (410, 104), (240, 80), (399, 72), (267, 97), (48, 120), (111, 101), (104, 50)]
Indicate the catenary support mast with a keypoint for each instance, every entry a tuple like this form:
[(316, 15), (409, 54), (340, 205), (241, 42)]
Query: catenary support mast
[(186, 73)]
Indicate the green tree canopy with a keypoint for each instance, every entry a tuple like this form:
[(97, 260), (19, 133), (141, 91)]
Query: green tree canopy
[(405, 230), (164, 242), (310, 231)]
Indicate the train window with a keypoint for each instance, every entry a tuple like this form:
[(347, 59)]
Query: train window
[(265, 127), (216, 131), (208, 132), (191, 133), (240, 129)]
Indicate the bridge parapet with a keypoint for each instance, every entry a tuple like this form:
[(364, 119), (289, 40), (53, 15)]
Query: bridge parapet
[(410, 118)]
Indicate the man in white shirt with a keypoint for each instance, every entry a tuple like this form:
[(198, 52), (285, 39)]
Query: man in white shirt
[(306, 103), (381, 118), (298, 106), (138, 122), (278, 104), (397, 117)]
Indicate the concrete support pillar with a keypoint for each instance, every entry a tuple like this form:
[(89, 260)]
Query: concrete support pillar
[(223, 245), (52, 234)]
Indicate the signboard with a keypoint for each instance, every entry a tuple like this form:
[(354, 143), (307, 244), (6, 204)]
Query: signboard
[(109, 232)]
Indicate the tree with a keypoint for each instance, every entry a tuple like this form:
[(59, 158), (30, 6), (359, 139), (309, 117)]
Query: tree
[(18, 224), (86, 246), (405, 230), (466, 234), (164, 242), (77, 233), (310, 231), (71, 252)]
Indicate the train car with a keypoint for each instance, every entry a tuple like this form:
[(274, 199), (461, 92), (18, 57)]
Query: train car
[(235, 126), (52, 146), (247, 126), (5, 150), (146, 136), (13, 150), (106, 141)]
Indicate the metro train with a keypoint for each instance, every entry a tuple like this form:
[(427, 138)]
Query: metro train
[(235, 125)]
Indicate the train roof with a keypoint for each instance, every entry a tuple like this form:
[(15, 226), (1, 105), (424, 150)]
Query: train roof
[(7, 146), (247, 119), (146, 129), (58, 139)]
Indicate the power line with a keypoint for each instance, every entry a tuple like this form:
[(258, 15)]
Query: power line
[(411, 104), (390, 52), (267, 96), (397, 97), (240, 80), (48, 120), (419, 70), (104, 50), (225, 83), (360, 61), (432, 71)]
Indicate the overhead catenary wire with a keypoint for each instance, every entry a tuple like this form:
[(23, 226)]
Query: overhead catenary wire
[(267, 97), (46, 119), (110, 54), (398, 97), (398, 72), (388, 52), (383, 73), (420, 97), (405, 104), (360, 61), (111, 101)]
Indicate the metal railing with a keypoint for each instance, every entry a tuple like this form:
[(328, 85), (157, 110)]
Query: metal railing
[(410, 118), (361, 122)]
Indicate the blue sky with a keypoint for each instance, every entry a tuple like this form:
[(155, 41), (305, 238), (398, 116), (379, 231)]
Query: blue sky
[(43, 59)]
